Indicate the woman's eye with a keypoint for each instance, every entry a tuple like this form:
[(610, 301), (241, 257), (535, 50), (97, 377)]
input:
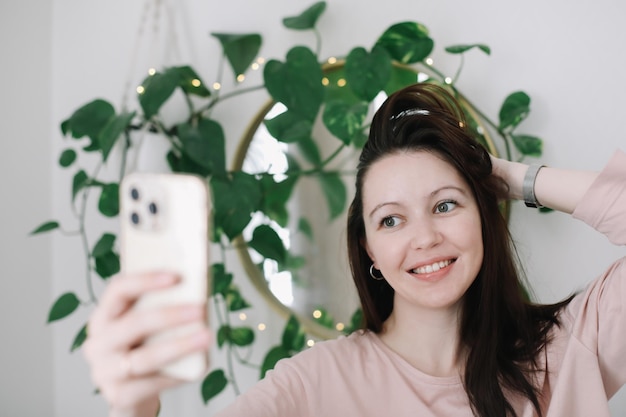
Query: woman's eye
[(390, 221), (445, 206)]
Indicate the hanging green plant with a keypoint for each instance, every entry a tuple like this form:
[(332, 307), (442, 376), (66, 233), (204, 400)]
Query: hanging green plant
[(308, 88)]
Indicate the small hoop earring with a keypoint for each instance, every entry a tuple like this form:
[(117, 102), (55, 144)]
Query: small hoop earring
[(377, 278)]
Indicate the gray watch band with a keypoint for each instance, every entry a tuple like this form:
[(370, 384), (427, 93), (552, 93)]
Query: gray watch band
[(528, 186)]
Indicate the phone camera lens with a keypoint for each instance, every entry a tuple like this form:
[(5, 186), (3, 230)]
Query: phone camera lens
[(134, 218), (153, 208), (134, 194)]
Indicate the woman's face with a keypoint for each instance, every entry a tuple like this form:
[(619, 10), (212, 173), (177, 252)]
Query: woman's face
[(422, 229)]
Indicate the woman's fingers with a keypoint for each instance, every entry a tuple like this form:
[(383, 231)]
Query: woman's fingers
[(123, 291), (132, 328), (151, 357)]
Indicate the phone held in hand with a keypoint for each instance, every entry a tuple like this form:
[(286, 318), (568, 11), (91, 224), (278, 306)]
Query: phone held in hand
[(165, 228)]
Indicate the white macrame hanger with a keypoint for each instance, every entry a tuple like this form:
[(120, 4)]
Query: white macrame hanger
[(156, 45)]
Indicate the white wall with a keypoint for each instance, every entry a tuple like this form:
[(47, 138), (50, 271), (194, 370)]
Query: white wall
[(25, 103), (567, 56)]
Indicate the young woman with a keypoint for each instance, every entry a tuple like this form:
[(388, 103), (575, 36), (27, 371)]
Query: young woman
[(448, 330)]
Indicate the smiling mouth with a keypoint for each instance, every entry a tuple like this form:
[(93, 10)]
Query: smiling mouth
[(436, 266)]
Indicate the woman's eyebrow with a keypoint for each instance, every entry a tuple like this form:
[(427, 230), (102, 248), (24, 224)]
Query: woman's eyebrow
[(448, 187)]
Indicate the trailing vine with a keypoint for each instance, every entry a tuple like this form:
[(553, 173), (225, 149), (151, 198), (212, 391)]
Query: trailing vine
[(303, 83)]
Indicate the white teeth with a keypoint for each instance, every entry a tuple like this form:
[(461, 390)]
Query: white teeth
[(432, 268)]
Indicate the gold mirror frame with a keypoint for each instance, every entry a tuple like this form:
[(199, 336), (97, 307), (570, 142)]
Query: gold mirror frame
[(309, 325)]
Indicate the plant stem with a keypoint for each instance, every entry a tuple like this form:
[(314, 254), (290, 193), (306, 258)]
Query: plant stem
[(84, 240), (231, 94), (458, 71), (318, 42)]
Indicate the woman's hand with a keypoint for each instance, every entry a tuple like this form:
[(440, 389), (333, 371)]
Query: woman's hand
[(122, 367)]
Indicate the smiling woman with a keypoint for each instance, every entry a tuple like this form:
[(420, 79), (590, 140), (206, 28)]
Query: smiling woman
[(316, 288), (448, 328)]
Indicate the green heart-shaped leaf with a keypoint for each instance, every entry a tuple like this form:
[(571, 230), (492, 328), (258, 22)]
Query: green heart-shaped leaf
[(266, 242), (157, 89), (79, 181), (293, 338), (240, 49), (344, 120), (289, 127), (297, 83), (407, 42), (104, 245), (368, 73), (242, 336), (109, 202), (107, 265), (273, 356), (275, 197), (213, 384), (46, 227), (400, 77), (203, 142), (304, 226), (335, 192), (239, 196), (459, 49), (79, 339), (189, 81), (514, 110), (310, 151), (67, 158), (65, 305), (89, 119), (182, 163), (221, 279), (235, 300), (528, 145), (307, 19), (111, 131)]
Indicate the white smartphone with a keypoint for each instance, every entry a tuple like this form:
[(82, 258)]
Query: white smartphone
[(165, 227)]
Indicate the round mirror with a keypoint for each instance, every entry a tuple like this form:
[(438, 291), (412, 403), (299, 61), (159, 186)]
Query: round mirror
[(314, 283)]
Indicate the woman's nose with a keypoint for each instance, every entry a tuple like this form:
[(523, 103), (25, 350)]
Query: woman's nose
[(425, 234)]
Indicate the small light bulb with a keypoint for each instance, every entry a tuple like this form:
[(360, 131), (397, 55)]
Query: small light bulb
[(332, 60), (255, 66), (340, 326), (196, 82), (341, 82), (325, 81), (448, 80), (310, 343), (261, 327), (217, 86), (260, 60), (242, 316), (151, 71), (461, 125), (241, 77), (317, 314), (429, 61), (140, 89)]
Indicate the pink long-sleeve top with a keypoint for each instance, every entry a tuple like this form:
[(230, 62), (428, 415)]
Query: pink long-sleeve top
[(359, 376)]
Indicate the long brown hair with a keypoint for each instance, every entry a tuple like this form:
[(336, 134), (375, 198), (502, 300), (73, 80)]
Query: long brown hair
[(503, 331)]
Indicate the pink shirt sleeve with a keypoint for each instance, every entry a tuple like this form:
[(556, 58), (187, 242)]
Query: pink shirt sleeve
[(600, 313)]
